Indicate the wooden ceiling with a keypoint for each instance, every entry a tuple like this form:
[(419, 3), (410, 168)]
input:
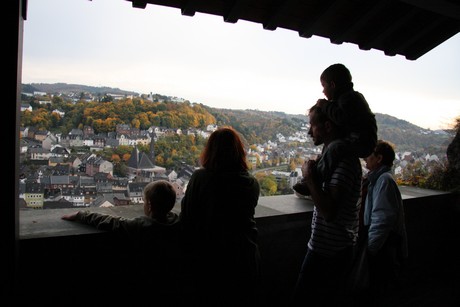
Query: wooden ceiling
[(409, 28)]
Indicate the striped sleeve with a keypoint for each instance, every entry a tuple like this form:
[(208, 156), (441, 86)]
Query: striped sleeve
[(329, 238)]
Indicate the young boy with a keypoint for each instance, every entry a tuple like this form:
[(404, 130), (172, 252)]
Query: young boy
[(349, 110), (159, 199), (153, 241)]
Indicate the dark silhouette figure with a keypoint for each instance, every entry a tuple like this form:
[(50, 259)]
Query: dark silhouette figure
[(221, 257)]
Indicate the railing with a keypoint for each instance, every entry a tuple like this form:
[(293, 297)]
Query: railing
[(60, 258)]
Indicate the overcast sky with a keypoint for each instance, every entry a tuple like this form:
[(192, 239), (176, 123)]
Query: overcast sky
[(238, 66)]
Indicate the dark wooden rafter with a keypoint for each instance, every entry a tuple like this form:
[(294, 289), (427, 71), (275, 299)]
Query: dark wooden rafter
[(400, 47), (392, 26), (387, 30), (232, 10), (366, 13), (188, 8), (275, 13), (306, 29), (140, 4), (450, 8), (438, 36), (24, 9)]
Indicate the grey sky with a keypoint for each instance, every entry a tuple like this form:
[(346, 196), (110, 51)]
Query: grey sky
[(239, 66)]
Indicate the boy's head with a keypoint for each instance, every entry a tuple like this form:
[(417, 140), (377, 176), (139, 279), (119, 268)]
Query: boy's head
[(159, 198), (383, 154), (335, 79)]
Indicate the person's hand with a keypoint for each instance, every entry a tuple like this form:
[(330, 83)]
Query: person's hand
[(308, 170), (304, 167), (321, 102), (70, 217)]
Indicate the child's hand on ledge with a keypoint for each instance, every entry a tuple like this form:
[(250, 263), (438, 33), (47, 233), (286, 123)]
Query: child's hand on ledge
[(70, 217)]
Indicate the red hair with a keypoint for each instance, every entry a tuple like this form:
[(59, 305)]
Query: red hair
[(224, 151)]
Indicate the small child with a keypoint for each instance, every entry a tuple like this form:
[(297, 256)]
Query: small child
[(159, 199), (153, 240), (349, 110)]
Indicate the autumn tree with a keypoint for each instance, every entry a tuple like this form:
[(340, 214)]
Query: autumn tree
[(126, 156), (414, 174), (41, 119), (26, 118), (55, 120), (115, 158), (292, 165), (447, 176)]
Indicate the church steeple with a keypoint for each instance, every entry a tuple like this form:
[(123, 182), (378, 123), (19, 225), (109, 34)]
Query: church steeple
[(152, 148), (140, 160), (133, 161)]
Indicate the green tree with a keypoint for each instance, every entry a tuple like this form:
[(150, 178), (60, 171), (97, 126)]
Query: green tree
[(55, 120), (283, 187), (268, 185), (120, 169)]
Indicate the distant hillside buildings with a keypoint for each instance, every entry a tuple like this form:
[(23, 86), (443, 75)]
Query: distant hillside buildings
[(56, 178)]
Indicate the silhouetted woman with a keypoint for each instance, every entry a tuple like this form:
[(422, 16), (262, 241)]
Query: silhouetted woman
[(220, 233)]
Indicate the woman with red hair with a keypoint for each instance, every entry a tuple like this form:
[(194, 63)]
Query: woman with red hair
[(220, 234)]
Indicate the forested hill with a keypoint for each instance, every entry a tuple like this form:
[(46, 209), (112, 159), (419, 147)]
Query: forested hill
[(260, 126), (256, 126), (72, 88)]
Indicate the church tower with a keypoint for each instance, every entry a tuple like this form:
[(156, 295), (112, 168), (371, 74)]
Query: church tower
[(152, 148)]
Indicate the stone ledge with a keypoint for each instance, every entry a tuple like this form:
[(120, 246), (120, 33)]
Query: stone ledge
[(48, 223)]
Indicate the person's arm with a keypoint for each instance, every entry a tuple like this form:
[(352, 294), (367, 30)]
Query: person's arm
[(325, 202), (384, 214), (103, 221)]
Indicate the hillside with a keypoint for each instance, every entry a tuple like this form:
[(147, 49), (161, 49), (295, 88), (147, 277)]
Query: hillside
[(409, 137), (75, 88), (261, 126)]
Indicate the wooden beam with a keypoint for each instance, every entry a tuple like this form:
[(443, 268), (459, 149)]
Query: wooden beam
[(275, 14), (233, 9), (388, 29), (188, 8), (307, 27), (445, 8), (140, 4), (366, 14)]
